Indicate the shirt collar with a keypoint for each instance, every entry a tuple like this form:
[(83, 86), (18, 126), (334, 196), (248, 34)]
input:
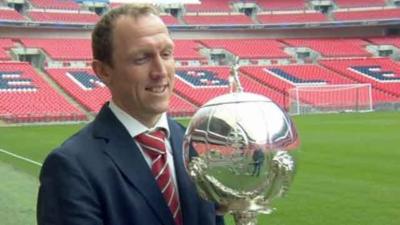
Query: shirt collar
[(135, 127)]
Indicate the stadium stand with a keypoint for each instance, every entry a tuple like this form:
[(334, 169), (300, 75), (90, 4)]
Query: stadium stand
[(395, 41), (169, 20), (281, 5), (291, 18), (61, 49), (359, 3), (333, 47), (283, 78), (26, 97), (5, 44), (63, 17), (181, 107), (89, 91), (275, 80), (80, 49), (380, 14), (382, 73), (10, 14), (83, 85), (248, 48), (55, 4), (187, 49), (198, 85), (252, 85), (217, 19), (209, 6)]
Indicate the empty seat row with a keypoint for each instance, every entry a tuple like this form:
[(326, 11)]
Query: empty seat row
[(382, 73), (333, 47), (55, 4), (62, 17), (229, 18), (26, 96), (80, 49), (10, 14), (220, 5)]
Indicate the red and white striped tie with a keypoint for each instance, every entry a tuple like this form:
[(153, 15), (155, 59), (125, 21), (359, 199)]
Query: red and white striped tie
[(154, 145)]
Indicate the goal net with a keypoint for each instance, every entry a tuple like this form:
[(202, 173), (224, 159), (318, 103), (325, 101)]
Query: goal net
[(330, 98)]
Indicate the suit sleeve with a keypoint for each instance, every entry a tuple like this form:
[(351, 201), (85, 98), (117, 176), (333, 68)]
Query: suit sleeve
[(65, 194)]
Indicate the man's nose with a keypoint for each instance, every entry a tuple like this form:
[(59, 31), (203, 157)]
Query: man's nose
[(158, 67)]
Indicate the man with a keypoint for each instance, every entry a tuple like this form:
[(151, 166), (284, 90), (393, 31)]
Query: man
[(104, 174), (258, 160)]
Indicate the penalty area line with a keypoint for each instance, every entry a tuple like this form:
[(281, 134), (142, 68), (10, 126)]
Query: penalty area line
[(20, 157)]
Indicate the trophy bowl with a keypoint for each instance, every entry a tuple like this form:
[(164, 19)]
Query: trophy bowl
[(242, 158)]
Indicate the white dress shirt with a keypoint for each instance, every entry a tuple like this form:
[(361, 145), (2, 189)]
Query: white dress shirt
[(135, 128)]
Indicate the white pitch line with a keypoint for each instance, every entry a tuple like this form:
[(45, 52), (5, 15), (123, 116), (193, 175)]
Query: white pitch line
[(20, 157)]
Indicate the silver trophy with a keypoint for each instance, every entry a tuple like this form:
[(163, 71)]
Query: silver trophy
[(243, 143)]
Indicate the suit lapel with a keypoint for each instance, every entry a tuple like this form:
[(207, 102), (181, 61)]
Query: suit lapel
[(187, 191), (125, 154)]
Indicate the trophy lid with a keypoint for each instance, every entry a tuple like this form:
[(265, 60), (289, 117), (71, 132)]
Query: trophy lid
[(244, 118), (237, 97)]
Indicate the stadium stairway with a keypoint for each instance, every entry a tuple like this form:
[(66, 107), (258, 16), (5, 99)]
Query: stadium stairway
[(68, 98)]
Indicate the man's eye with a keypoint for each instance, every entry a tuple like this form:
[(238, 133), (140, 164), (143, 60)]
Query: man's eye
[(167, 54), (140, 60)]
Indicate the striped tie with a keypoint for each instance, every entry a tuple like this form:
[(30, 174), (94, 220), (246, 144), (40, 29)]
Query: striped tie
[(154, 146)]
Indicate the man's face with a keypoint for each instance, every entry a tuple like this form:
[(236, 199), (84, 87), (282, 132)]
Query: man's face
[(141, 78)]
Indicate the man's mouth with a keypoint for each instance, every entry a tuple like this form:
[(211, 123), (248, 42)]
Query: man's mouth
[(157, 89)]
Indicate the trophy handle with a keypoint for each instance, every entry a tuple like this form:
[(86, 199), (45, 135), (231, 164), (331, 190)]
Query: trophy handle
[(245, 218), (282, 171), (234, 81)]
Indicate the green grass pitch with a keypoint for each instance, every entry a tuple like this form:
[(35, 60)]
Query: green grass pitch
[(348, 170)]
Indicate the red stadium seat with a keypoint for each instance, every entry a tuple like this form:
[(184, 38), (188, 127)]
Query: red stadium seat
[(62, 49), (91, 95), (359, 3), (249, 48), (64, 17), (292, 18), (10, 14), (209, 6), (217, 19), (390, 84), (281, 4), (380, 14), (332, 47), (26, 97), (395, 41), (55, 4)]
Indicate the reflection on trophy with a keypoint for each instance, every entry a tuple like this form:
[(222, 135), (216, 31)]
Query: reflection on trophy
[(244, 144)]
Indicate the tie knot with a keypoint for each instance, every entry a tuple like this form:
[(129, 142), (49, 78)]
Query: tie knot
[(153, 142)]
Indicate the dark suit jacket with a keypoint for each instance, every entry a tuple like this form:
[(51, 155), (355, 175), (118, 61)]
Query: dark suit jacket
[(98, 176)]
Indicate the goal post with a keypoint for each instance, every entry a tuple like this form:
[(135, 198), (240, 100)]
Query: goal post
[(306, 99)]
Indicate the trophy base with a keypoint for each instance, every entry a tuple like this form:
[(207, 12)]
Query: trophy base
[(245, 218)]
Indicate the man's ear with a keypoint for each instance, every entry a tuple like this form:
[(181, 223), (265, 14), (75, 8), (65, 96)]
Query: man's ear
[(101, 69)]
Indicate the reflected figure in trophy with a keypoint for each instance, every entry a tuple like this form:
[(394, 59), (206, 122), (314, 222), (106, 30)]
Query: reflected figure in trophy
[(258, 161)]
